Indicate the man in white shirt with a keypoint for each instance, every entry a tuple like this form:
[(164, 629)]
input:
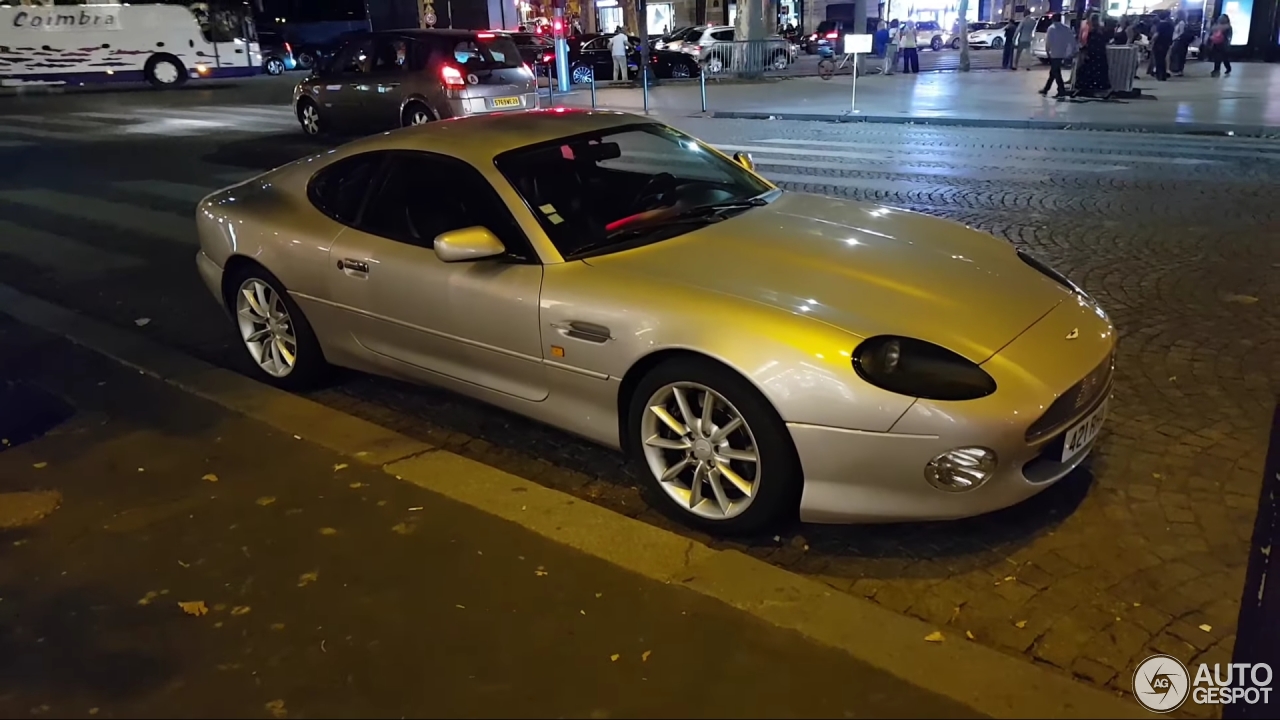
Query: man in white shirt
[(618, 46)]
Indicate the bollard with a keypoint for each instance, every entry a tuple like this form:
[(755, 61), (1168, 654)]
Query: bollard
[(702, 84), (551, 89), (644, 73), (593, 90)]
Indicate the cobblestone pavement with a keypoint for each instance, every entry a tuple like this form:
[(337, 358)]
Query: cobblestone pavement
[(1143, 551)]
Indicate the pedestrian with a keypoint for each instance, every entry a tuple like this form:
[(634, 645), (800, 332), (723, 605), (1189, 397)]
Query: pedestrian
[(1161, 44), (619, 44), (1182, 37), (1219, 41), (1092, 78), (1010, 39), (1026, 30), (1060, 45), (891, 49), (910, 53)]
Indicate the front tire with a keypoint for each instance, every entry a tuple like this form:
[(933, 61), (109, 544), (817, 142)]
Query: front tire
[(581, 75), (164, 71), (955, 44), (997, 44), (276, 335), (682, 70), (935, 44), (309, 117), (717, 453), (274, 66)]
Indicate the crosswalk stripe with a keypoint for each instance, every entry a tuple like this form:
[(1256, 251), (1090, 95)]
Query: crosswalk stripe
[(181, 192), (68, 258), (152, 223), (969, 172), (953, 156), (51, 120), (1191, 145), (39, 133)]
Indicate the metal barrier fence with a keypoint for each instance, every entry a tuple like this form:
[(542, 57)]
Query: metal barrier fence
[(746, 58)]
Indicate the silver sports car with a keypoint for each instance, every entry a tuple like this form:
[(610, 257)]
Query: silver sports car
[(754, 351)]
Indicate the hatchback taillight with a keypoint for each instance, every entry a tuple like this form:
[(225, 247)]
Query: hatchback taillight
[(831, 36), (452, 77), (548, 58), (288, 48)]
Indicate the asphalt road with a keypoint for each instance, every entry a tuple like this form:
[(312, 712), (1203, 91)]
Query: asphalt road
[(201, 564), (1138, 553)]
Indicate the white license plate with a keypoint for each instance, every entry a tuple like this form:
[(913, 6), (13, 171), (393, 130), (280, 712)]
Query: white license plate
[(506, 102), (1083, 433)]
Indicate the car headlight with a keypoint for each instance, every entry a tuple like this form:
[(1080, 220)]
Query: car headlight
[(920, 369), (1052, 274)]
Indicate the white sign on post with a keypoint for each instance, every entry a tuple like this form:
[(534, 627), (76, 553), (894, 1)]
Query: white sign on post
[(856, 44)]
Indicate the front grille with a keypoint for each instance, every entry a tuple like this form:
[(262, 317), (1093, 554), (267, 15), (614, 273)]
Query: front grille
[(1074, 402)]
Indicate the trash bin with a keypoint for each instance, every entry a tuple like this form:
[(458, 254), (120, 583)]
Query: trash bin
[(1122, 66)]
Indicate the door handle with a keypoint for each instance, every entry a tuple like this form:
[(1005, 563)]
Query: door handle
[(590, 332), (353, 266)]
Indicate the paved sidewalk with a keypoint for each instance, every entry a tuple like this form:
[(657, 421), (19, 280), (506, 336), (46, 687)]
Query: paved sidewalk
[(203, 564), (1242, 103)]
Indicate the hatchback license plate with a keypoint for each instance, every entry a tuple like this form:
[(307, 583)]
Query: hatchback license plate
[(506, 102), (1083, 433)]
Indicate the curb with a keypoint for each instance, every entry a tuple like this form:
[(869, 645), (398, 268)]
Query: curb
[(1153, 128), (986, 680)]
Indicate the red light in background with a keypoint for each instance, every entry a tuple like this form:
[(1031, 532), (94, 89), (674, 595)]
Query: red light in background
[(485, 36)]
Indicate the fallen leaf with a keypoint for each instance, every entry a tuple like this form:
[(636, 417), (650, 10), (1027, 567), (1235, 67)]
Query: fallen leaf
[(297, 437), (644, 656), (584, 612), (142, 469), (265, 500), (540, 573), (1137, 604), (461, 607), (210, 477), (307, 578), (1020, 624), (277, 626), (356, 485), (40, 465), (402, 528), (276, 708), (419, 507), (146, 599), (1009, 578), (142, 322), (934, 637), (328, 531), (1207, 628), (240, 610), (339, 466), (969, 635), (614, 657), (954, 614), (194, 607), (1156, 475), (218, 624), (599, 595), (93, 711), (381, 503), (1241, 299)]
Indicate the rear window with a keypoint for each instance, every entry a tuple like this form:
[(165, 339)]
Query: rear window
[(826, 26), (498, 51), (723, 35), (1043, 24)]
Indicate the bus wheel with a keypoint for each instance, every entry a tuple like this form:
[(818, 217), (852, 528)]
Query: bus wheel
[(165, 71)]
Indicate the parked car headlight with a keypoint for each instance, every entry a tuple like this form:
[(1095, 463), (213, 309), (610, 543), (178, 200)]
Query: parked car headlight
[(920, 369)]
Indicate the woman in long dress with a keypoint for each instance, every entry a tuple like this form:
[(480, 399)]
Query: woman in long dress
[(1093, 76)]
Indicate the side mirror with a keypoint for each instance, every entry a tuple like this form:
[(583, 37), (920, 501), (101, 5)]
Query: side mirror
[(744, 159), (473, 243)]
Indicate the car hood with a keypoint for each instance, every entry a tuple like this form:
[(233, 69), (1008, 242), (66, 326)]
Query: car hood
[(866, 269)]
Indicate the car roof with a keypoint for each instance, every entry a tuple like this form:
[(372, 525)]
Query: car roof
[(479, 139)]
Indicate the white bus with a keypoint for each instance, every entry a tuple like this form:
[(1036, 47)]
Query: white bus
[(88, 44)]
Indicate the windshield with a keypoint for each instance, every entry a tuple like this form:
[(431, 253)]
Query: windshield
[(603, 192)]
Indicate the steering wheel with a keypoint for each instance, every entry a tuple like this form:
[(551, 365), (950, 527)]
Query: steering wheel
[(654, 188)]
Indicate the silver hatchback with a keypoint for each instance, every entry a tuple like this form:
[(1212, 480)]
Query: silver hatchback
[(410, 77)]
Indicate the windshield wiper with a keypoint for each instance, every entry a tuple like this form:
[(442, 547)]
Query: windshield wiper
[(709, 213)]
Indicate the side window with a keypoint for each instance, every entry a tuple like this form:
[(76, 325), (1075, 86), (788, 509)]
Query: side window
[(339, 190), (354, 59), (595, 44), (423, 195), (723, 35), (390, 55)]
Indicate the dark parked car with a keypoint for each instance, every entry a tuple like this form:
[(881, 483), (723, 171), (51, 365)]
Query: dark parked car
[(410, 77), (590, 54), (535, 48), (277, 55)]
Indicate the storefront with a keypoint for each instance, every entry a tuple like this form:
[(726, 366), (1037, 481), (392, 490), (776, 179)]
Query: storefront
[(943, 12)]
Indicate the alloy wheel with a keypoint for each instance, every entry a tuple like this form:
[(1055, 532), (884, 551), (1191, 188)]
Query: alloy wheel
[(680, 70), (275, 66), (266, 328), (419, 116), (310, 118), (700, 450), (582, 75)]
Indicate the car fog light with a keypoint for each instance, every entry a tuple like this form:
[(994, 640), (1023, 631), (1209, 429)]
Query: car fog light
[(961, 469)]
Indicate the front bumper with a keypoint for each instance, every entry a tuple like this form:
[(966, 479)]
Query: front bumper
[(857, 476)]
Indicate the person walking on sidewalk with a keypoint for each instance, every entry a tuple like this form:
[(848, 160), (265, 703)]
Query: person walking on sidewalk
[(891, 49), (1026, 29), (1161, 44), (1182, 37), (1093, 78), (1010, 39), (618, 46), (1060, 45), (1219, 41), (910, 52)]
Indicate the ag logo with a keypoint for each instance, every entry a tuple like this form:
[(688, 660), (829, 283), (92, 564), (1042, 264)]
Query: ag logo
[(473, 79), (1161, 683)]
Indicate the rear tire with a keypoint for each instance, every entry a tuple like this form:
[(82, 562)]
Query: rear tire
[(775, 477), (309, 367), (416, 113), (164, 71), (274, 66), (935, 44)]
